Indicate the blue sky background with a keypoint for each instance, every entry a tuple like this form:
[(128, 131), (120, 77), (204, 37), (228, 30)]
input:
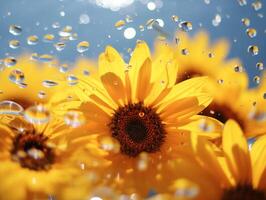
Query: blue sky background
[(37, 17)]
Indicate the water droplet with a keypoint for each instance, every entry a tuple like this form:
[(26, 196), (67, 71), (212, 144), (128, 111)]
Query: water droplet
[(150, 23), (37, 114), (256, 79), (257, 5), (73, 36), (185, 51), (10, 108), (45, 58), (253, 49), (15, 29), (143, 161), (14, 44), (245, 21), (251, 32), (64, 68), (41, 94), (220, 81), (56, 25), (32, 40), (260, 66), (120, 24), (83, 46), (109, 144), (66, 31), (239, 68), (60, 46), (49, 83), (16, 76), (84, 19), (72, 80), (185, 26), (160, 22), (129, 33), (129, 19), (217, 20), (242, 2), (62, 13), (74, 118), (48, 38), (151, 6), (175, 18), (10, 61), (141, 28)]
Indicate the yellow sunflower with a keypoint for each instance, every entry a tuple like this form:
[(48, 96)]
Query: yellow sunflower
[(239, 172), (138, 113), (226, 77), (36, 160)]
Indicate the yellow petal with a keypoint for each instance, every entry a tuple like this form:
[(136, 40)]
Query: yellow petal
[(237, 155)]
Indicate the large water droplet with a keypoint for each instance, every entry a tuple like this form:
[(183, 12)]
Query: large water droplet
[(16, 76), (10, 108), (83, 46), (38, 114), (129, 33), (15, 29), (74, 118)]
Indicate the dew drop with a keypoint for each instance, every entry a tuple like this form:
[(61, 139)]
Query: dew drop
[(129, 33), (72, 80), (64, 68), (185, 51), (10, 108), (260, 66), (185, 26), (245, 21), (32, 40), (37, 114), (253, 50), (120, 24), (175, 18), (15, 29), (256, 79), (257, 5), (10, 61), (74, 118), (151, 6), (251, 32), (217, 20), (60, 46), (84, 19), (16, 76), (66, 31), (242, 2), (238, 68), (14, 44), (129, 19), (41, 94), (45, 58), (49, 83), (56, 25), (83, 46), (48, 38)]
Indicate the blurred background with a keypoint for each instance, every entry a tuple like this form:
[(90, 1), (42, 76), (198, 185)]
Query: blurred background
[(39, 27)]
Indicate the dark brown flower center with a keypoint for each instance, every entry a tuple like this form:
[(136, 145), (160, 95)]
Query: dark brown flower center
[(243, 192), (31, 151), (222, 113), (187, 75), (137, 128)]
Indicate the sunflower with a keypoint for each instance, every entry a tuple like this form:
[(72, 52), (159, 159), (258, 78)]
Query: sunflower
[(36, 160), (137, 112), (225, 76), (239, 172)]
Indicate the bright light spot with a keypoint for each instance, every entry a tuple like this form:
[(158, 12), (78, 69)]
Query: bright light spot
[(151, 6), (113, 5), (129, 33)]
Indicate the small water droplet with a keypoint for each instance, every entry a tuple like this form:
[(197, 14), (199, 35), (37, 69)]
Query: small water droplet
[(175, 18), (253, 49), (217, 20), (129, 19), (56, 25), (15, 29), (10, 108), (48, 38), (32, 40), (63, 68), (14, 44), (257, 5), (37, 114), (60, 46), (129, 33), (41, 94), (10, 61), (72, 80), (83, 46), (16, 76), (185, 51), (74, 118), (49, 83), (185, 26), (251, 32), (84, 19), (120, 24), (245, 21), (256, 79), (151, 6), (45, 58), (242, 2), (239, 68), (66, 31), (260, 66)]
